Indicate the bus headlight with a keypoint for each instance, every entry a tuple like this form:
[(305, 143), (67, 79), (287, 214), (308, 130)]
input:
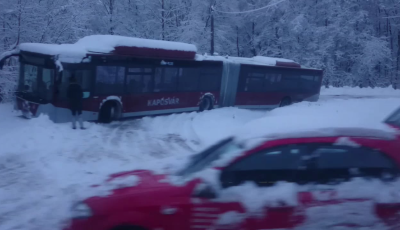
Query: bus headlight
[(81, 210)]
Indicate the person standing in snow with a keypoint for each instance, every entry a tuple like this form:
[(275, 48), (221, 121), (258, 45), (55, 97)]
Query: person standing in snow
[(75, 97)]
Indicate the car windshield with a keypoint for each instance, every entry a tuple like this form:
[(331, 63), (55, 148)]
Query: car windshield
[(37, 81), (394, 118), (204, 159)]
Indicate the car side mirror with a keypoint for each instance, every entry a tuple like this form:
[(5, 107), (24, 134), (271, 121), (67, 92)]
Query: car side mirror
[(86, 94), (205, 191)]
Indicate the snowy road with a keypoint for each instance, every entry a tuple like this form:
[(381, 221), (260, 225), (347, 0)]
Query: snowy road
[(45, 167)]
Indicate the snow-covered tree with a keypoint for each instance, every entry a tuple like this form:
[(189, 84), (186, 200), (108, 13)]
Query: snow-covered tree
[(356, 42)]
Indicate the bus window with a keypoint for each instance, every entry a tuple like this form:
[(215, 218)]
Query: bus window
[(109, 80), (138, 83), (37, 81), (272, 82), (188, 79), (30, 78), (254, 84), (210, 79), (307, 83), (166, 79), (46, 86), (290, 82), (83, 77)]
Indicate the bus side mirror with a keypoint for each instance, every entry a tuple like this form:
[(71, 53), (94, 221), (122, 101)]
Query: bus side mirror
[(86, 94)]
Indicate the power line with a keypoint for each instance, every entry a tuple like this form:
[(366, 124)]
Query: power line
[(248, 11)]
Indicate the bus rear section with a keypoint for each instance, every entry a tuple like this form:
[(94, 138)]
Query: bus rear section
[(254, 86), (272, 87)]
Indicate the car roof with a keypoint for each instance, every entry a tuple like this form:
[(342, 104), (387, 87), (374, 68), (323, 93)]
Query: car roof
[(383, 134)]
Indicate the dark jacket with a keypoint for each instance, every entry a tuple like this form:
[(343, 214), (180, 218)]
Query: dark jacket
[(74, 95)]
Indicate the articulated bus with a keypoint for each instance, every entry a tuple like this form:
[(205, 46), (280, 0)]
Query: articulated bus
[(126, 77)]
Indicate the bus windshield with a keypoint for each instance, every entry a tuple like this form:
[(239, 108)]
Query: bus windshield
[(36, 82)]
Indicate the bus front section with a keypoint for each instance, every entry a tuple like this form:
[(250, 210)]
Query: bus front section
[(36, 85)]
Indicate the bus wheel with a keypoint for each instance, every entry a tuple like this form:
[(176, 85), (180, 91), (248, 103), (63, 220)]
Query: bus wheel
[(285, 102), (206, 104), (109, 112)]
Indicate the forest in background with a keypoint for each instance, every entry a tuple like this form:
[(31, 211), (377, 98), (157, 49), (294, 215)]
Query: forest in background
[(355, 42)]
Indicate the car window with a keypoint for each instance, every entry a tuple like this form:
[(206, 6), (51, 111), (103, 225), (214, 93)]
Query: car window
[(337, 164), (269, 166)]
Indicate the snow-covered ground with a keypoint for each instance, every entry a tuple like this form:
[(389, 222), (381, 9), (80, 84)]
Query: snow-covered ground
[(359, 92), (44, 167)]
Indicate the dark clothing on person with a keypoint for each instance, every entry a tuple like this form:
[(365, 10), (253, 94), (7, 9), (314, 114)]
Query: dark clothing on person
[(75, 95)]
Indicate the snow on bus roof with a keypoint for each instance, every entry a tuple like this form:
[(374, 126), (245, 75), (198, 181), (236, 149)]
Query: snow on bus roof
[(257, 60), (106, 44)]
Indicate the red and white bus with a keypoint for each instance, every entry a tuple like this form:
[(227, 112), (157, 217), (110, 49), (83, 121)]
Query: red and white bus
[(126, 77)]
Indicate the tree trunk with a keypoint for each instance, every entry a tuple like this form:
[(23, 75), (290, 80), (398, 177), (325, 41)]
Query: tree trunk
[(253, 36), (237, 41), (162, 19), (212, 33), (111, 6)]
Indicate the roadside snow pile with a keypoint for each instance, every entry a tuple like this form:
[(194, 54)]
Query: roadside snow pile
[(362, 92)]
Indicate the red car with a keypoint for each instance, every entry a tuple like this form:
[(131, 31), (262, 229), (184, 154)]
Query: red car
[(339, 178)]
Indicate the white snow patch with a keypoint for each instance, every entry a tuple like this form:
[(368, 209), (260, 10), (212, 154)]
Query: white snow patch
[(256, 199), (106, 188), (334, 216), (230, 219), (361, 92), (59, 65), (345, 141), (358, 188)]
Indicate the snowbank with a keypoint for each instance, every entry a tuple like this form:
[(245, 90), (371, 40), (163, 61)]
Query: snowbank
[(357, 91)]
